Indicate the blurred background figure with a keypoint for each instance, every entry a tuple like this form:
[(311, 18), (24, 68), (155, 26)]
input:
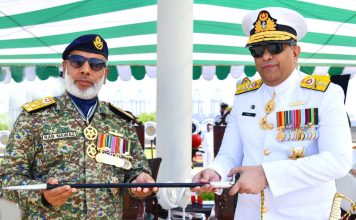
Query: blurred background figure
[(223, 107), (208, 145)]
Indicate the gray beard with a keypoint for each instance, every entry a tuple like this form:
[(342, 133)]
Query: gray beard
[(89, 93)]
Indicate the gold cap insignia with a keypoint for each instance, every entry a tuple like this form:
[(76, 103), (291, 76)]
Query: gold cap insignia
[(265, 22), (266, 29), (98, 43)]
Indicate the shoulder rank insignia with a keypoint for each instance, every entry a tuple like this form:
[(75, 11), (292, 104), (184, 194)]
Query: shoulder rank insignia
[(118, 111), (319, 83), (39, 104), (246, 86)]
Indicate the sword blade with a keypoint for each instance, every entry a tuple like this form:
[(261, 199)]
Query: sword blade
[(119, 185)]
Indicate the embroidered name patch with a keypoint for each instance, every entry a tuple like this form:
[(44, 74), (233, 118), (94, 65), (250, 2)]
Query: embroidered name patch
[(70, 134)]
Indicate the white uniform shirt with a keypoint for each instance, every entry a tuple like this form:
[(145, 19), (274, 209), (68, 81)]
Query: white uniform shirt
[(298, 189)]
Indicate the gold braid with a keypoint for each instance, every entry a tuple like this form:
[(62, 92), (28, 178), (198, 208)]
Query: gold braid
[(263, 208)]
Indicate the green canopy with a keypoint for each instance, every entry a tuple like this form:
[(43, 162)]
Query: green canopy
[(36, 34)]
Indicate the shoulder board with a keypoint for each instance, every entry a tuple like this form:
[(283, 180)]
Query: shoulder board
[(118, 111), (247, 86), (314, 82), (39, 104)]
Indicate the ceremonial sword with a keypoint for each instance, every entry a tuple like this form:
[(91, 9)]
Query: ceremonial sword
[(119, 185)]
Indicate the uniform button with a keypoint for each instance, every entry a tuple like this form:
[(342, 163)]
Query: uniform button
[(266, 152)]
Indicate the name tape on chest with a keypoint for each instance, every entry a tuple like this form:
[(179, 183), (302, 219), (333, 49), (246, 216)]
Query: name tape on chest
[(70, 134)]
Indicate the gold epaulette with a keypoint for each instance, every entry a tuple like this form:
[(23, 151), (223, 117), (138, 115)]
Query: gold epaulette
[(314, 82), (39, 104), (124, 114), (246, 86)]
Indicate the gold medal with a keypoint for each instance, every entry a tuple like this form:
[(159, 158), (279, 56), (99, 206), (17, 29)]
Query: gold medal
[(91, 150), (297, 135), (312, 132), (90, 133), (301, 135), (280, 135)]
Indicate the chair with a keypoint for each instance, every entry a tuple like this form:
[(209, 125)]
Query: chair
[(135, 208), (152, 201)]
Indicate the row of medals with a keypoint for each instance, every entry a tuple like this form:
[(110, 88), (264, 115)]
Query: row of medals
[(288, 134), (118, 160), (297, 134)]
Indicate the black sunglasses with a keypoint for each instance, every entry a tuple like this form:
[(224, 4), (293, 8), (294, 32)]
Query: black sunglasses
[(258, 51), (77, 61)]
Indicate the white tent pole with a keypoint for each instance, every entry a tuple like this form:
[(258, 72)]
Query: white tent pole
[(174, 88)]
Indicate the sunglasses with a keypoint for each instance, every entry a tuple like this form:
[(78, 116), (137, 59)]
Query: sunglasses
[(77, 61), (258, 51)]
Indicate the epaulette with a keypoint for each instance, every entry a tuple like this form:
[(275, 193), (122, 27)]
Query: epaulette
[(38, 105), (314, 82), (121, 113), (246, 86)]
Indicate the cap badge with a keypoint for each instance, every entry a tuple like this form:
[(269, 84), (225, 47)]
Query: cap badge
[(265, 22), (98, 43)]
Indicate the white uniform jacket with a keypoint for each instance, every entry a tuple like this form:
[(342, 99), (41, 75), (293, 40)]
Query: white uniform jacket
[(300, 189)]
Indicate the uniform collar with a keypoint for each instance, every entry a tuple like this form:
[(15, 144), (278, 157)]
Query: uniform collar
[(284, 86), (64, 102)]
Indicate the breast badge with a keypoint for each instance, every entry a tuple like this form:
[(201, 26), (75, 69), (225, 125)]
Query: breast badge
[(296, 154), (90, 133)]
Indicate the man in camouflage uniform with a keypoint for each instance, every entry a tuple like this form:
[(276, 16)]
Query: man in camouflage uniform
[(52, 141)]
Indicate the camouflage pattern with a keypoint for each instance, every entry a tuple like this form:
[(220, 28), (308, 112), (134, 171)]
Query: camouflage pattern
[(31, 160)]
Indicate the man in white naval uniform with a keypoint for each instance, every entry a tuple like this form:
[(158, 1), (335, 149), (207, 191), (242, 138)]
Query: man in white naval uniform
[(288, 135)]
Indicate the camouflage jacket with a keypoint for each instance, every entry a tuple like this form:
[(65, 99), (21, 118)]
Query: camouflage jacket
[(32, 157)]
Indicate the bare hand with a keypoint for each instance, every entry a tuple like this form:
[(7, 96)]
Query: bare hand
[(252, 180), (205, 176), (58, 196), (143, 192)]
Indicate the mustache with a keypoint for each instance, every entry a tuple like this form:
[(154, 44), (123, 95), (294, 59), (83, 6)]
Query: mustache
[(270, 63), (84, 79)]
